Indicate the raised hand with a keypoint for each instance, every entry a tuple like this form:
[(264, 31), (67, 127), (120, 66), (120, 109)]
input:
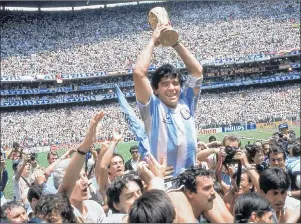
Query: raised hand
[(158, 169), (116, 135), (91, 132)]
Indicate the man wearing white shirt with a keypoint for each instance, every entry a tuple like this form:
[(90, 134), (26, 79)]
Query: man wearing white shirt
[(131, 164)]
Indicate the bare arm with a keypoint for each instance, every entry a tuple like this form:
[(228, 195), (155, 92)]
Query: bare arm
[(104, 163), (19, 171), (219, 213), (204, 154), (51, 167), (143, 88), (73, 171), (191, 63)]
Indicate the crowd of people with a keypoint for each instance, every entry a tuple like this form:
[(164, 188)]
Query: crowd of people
[(214, 109), (109, 39), (258, 183)]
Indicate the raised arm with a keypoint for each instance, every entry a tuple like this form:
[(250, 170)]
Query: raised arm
[(104, 163), (73, 171), (143, 87), (191, 63), (51, 167)]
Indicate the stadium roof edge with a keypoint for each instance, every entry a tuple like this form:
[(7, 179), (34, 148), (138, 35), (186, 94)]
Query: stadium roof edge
[(53, 4)]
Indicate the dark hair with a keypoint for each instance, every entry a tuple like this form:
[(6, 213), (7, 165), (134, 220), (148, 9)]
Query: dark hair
[(274, 179), (16, 145), (248, 203), (115, 188), (153, 206), (188, 177), (165, 71), (58, 203), (9, 206), (249, 178), (51, 152), (218, 188), (34, 191), (252, 150), (212, 138), (114, 155), (134, 147), (231, 138), (277, 148), (296, 150)]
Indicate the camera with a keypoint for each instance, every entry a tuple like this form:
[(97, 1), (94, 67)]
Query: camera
[(230, 153), (33, 156)]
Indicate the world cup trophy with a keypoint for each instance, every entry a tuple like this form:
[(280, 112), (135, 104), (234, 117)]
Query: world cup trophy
[(159, 15)]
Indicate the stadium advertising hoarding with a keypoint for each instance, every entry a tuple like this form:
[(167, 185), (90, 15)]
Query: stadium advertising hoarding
[(271, 125), (210, 131)]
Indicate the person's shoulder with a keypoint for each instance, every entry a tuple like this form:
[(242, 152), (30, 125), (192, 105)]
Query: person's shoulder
[(92, 203)]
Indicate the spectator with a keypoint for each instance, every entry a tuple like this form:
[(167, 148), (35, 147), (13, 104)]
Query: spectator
[(252, 207), (274, 184), (13, 212), (131, 164), (55, 208), (153, 206)]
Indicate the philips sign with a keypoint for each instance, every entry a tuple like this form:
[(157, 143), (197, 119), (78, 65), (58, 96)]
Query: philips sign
[(234, 128)]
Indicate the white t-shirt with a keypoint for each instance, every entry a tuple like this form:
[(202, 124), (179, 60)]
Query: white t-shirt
[(20, 188), (292, 203), (95, 213), (114, 218)]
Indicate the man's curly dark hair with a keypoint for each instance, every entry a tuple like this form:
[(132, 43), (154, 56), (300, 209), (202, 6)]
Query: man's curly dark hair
[(58, 203), (188, 177)]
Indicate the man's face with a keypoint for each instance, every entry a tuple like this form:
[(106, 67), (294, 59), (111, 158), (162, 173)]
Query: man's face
[(266, 148), (205, 195), (128, 196), (259, 157), (168, 91), (81, 190), (245, 186), (231, 143), (283, 130), (277, 160), (54, 217), (116, 167), (26, 170), (52, 158), (135, 154), (276, 198), (17, 215)]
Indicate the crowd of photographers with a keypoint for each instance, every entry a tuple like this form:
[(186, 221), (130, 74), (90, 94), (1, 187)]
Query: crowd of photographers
[(109, 39), (258, 182)]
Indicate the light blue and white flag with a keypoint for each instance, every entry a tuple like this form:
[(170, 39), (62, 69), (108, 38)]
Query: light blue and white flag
[(134, 124)]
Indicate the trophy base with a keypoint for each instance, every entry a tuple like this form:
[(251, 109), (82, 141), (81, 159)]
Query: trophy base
[(169, 37)]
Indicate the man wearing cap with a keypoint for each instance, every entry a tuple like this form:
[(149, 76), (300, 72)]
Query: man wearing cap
[(131, 164), (287, 135)]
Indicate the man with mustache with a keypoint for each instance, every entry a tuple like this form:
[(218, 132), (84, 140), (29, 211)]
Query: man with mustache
[(197, 185)]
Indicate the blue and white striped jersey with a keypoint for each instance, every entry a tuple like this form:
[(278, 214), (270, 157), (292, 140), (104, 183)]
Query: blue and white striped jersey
[(171, 132)]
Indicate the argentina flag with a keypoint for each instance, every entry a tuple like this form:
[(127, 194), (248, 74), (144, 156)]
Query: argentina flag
[(134, 124)]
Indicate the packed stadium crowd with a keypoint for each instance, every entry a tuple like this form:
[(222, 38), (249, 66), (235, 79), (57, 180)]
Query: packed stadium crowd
[(109, 39), (171, 176), (214, 109), (258, 183)]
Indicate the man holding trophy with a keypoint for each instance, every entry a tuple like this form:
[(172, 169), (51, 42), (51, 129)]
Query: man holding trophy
[(167, 104)]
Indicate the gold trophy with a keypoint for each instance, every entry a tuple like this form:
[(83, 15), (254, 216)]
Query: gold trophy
[(159, 15)]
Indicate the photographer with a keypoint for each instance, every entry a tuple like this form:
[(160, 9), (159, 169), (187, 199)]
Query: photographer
[(255, 155)]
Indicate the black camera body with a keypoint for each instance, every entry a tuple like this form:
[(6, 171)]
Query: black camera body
[(230, 153), (33, 156)]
